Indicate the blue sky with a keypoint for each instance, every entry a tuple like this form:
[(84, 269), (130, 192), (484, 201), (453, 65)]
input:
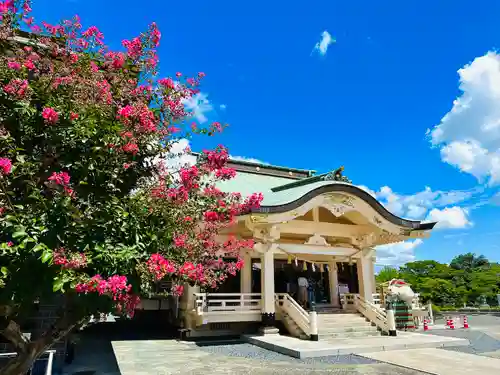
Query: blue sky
[(407, 98)]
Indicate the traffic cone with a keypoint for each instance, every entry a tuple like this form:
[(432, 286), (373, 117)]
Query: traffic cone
[(466, 323), (452, 323), (426, 325)]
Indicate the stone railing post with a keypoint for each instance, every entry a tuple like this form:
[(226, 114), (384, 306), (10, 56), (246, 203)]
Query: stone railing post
[(391, 322), (313, 323), (431, 314)]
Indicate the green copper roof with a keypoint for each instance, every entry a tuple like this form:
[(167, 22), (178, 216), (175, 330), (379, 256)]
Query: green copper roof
[(283, 194), (249, 183)]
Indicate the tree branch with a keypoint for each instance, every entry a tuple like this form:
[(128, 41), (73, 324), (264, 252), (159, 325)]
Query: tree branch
[(14, 335)]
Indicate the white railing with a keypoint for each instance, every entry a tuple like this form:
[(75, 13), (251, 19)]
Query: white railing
[(294, 311), (372, 312), (49, 359), (220, 302)]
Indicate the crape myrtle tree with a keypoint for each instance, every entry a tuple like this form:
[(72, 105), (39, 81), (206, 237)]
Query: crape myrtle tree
[(90, 212)]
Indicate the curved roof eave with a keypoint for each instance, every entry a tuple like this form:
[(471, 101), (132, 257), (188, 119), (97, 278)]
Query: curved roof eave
[(350, 189)]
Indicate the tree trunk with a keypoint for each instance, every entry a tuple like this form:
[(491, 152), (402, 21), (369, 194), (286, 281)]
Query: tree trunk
[(29, 352), (21, 364)]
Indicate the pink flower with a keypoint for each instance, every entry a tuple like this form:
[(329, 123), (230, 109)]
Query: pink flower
[(10, 244), (60, 178), (134, 47), (167, 82), (50, 115), (14, 65), (155, 34), (131, 148), (29, 65), (5, 166), (126, 111), (126, 166), (180, 240), (73, 116), (16, 88), (225, 173), (93, 67), (177, 290), (211, 216)]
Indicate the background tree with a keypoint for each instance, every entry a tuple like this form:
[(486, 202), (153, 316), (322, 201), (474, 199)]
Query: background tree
[(466, 280), (387, 273), (90, 214), (468, 262)]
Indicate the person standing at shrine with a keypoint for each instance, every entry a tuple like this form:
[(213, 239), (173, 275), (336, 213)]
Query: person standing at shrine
[(303, 285), (311, 290)]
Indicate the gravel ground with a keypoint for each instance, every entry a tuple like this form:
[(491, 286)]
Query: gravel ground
[(245, 350), (480, 341)]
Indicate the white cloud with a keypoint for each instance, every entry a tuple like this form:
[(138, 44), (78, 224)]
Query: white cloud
[(223, 107), (398, 253), (469, 134), (322, 45), (417, 206), (198, 105), (450, 218)]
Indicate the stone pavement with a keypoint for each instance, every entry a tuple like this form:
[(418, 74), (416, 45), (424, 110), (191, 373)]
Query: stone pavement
[(307, 349), (440, 361), (172, 357)]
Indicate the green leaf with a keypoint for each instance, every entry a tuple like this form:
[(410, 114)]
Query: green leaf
[(20, 233), (46, 256), (58, 284), (5, 271), (38, 247)]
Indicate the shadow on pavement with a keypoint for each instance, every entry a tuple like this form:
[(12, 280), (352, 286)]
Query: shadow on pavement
[(94, 353)]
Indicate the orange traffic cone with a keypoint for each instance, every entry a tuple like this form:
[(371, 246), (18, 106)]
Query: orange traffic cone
[(426, 325), (452, 323), (466, 323)]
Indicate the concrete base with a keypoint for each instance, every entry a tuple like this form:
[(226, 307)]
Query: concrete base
[(297, 348), (269, 331)]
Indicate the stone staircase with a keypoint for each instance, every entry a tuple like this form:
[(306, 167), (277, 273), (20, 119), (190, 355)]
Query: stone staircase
[(293, 328), (340, 324)]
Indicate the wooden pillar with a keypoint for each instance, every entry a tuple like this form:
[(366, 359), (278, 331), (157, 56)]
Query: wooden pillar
[(374, 280), (267, 289), (365, 277), (246, 274), (333, 279)]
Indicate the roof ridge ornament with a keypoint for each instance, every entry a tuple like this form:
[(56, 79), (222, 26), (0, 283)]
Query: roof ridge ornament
[(336, 175)]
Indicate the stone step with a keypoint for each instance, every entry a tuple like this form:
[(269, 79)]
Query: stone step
[(344, 324), (326, 330), (348, 334)]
